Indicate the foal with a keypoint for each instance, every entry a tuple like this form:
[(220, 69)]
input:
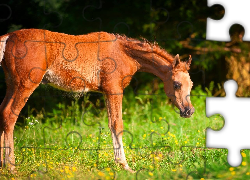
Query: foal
[(94, 62)]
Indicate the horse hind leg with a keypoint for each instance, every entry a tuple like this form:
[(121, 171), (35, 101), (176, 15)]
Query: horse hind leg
[(4, 108), (10, 114), (5, 105), (16, 97)]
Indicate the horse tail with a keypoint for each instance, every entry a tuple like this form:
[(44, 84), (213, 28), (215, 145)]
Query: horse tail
[(3, 40)]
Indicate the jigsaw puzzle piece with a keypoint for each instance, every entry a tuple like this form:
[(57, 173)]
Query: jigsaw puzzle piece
[(225, 138), (238, 62), (235, 12)]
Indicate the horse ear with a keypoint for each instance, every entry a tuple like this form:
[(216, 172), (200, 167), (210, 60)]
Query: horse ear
[(189, 61), (176, 60)]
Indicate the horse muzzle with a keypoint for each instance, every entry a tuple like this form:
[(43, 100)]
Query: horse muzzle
[(187, 112)]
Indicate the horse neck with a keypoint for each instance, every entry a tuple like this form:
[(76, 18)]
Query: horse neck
[(151, 59)]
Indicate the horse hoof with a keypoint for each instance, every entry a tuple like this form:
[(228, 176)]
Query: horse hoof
[(127, 168), (12, 169)]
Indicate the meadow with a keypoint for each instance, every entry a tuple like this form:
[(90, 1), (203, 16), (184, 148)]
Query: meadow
[(73, 141)]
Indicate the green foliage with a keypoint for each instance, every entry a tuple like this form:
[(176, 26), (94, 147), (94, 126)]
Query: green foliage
[(168, 145)]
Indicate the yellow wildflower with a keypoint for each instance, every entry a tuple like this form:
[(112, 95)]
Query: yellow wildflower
[(108, 169), (73, 169), (243, 154), (157, 158), (101, 173)]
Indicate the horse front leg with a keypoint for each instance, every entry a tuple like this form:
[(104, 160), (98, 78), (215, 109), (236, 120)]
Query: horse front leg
[(114, 107)]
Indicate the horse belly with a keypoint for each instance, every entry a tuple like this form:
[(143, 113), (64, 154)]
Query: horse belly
[(71, 81)]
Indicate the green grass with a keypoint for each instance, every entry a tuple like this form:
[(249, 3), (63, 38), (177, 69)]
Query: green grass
[(73, 142)]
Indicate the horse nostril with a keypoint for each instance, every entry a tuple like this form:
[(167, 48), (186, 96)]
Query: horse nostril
[(187, 112)]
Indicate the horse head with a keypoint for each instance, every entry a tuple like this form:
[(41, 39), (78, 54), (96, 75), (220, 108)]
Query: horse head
[(179, 85)]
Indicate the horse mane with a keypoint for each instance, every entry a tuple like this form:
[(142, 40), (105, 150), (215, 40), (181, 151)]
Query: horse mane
[(145, 46)]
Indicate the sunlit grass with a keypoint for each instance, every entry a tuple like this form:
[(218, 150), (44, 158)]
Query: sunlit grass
[(74, 142)]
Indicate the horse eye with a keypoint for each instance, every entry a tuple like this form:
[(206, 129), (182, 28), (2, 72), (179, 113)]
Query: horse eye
[(177, 85)]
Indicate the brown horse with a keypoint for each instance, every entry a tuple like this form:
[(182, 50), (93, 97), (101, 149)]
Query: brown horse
[(94, 62)]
